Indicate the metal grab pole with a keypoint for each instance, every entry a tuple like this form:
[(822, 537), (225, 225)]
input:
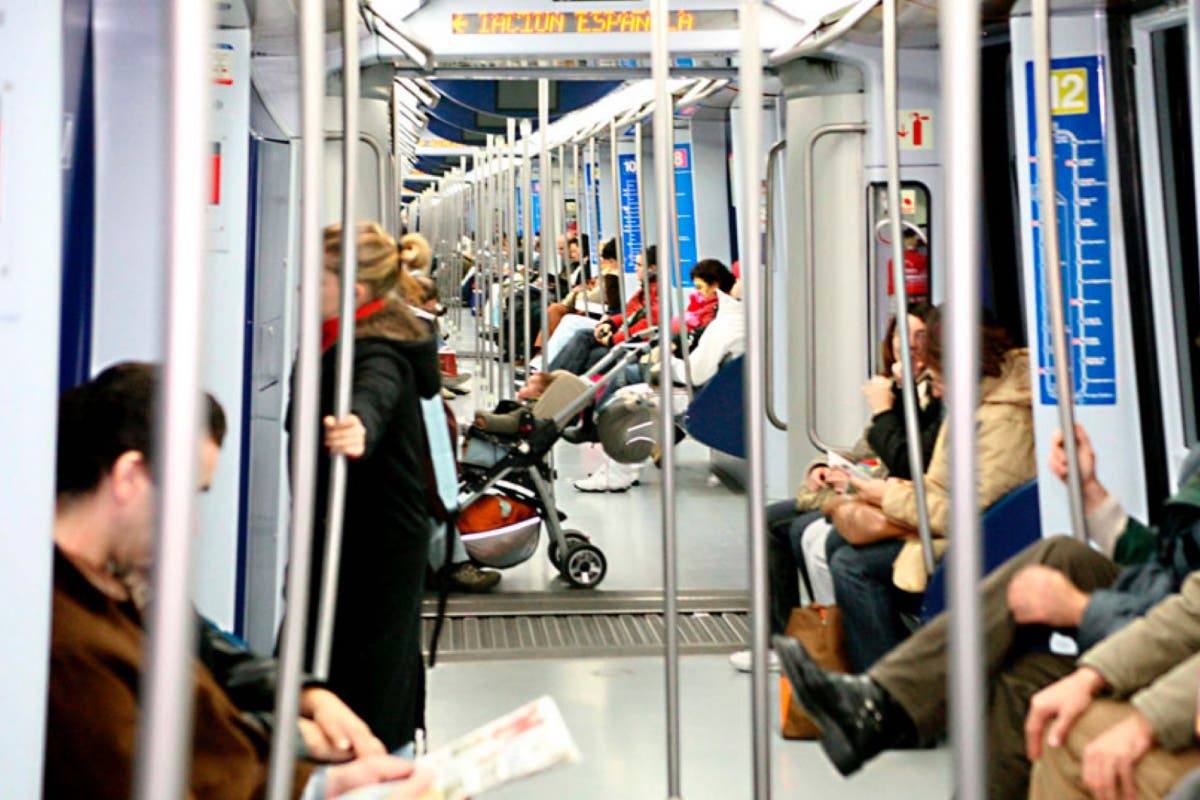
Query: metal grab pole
[(165, 725), (1193, 51), (960, 33), (810, 215), (750, 95), (510, 189), (912, 427), (1047, 223), (345, 344), (664, 111), (591, 179), (527, 219), (546, 190), (769, 287), (618, 224), (306, 408)]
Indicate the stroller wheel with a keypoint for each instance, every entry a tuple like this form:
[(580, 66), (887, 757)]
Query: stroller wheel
[(585, 566), (573, 538)]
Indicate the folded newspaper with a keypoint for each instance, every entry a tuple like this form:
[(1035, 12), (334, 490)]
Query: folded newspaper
[(529, 740), (836, 460)]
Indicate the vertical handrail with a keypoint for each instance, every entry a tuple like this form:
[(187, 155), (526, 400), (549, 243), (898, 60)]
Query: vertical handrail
[(527, 218), (592, 198), (510, 190), (638, 161), (769, 286), (618, 222), (345, 343), (810, 266), (546, 192), (1047, 223), (908, 385), (677, 274), (306, 405), (960, 35), (1193, 51), (750, 97), (586, 270), (165, 729), (663, 113)]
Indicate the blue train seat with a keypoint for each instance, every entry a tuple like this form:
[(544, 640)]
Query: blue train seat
[(1008, 526), (716, 416)]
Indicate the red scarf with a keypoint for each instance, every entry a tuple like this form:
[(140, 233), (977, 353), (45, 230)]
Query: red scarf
[(329, 328)]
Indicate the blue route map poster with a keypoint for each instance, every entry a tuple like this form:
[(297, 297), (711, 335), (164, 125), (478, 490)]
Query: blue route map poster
[(1081, 170), (685, 209), (631, 212)]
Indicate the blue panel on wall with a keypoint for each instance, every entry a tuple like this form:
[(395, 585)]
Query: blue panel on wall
[(631, 212), (685, 211), (1085, 239)]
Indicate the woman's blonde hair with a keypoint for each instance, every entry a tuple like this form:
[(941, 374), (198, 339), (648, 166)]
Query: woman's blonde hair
[(415, 252), (381, 269)]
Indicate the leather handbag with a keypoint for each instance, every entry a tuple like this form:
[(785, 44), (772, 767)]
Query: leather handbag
[(819, 629), (860, 523)]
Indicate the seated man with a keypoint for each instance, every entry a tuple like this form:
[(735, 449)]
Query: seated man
[(103, 533), (1055, 584), (1141, 739)]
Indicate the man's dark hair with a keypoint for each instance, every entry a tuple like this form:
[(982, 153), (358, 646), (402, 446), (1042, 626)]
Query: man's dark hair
[(651, 259), (608, 250), (714, 273), (110, 415)]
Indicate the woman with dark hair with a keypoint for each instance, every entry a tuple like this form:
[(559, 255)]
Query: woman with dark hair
[(878, 570)]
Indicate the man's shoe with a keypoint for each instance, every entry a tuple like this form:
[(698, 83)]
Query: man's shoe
[(580, 434), (742, 662), (466, 577), (857, 718)]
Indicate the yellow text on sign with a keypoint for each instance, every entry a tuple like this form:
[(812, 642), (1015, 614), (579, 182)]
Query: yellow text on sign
[(1069, 90)]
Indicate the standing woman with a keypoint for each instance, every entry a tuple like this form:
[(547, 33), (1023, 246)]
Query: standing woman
[(376, 657)]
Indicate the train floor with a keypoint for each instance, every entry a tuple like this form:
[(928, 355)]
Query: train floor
[(614, 704)]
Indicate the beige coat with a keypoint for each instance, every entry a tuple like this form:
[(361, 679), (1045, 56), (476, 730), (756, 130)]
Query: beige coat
[(1155, 662), (1006, 459)]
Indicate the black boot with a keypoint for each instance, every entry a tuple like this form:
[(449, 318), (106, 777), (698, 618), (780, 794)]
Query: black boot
[(586, 431), (857, 718)]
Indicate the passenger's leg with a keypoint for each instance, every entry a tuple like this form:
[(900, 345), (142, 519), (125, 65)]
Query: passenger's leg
[(574, 355), (915, 672), (1058, 774), (862, 581), (782, 567), (812, 545), (554, 314), (1008, 768), (568, 326)]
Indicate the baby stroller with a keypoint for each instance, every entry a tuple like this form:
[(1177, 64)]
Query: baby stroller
[(505, 484)]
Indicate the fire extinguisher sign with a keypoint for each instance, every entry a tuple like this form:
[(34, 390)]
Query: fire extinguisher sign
[(915, 129)]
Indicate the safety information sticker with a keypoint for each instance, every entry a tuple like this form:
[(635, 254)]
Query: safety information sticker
[(1081, 169)]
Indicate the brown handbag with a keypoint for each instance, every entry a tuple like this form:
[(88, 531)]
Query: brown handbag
[(860, 523), (819, 629)]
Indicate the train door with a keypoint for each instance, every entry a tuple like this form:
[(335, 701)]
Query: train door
[(1164, 121)]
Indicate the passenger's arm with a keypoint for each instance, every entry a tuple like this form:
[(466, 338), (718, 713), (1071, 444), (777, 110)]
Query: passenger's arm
[(1149, 648), (380, 376), (889, 439)]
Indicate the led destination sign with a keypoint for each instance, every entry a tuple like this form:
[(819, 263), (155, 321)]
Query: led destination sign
[(549, 22)]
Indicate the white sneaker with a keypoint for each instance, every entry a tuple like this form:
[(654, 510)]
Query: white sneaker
[(741, 661), (610, 477)]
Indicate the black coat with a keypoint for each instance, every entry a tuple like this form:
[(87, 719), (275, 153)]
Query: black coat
[(889, 438), (376, 663)]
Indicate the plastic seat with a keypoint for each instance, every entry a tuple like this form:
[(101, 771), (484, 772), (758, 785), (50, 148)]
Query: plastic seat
[(716, 416), (1008, 526)]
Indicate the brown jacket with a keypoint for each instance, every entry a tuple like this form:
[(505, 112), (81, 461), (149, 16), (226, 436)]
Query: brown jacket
[(1006, 459), (1155, 661), (95, 666)]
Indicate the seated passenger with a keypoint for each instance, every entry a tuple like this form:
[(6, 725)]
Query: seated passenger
[(796, 529), (876, 559), (1055, 584), (586, 348), (1141, 739), (605, 290), (103, 534)]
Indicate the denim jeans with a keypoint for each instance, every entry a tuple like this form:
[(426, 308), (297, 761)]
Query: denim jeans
[(579, 354), (871, 604)]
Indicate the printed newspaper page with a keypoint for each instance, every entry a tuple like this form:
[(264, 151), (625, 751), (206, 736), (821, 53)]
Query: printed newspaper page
[(529, 740)]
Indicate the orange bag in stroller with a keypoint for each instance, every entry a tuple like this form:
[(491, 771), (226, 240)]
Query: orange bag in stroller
[(499, 530)]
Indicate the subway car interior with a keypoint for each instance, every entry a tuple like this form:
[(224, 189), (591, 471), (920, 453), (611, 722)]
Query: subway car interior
[(869, 337)]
